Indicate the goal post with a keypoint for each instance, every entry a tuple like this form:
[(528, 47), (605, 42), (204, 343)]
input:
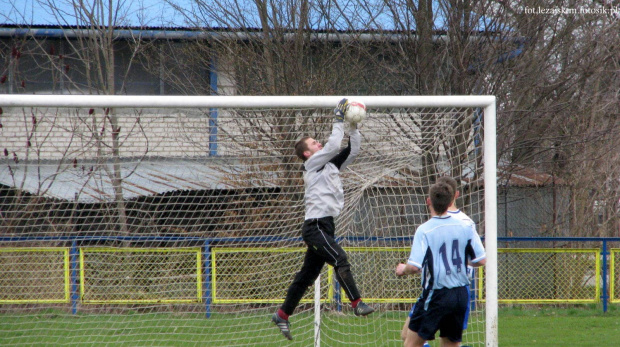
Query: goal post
[(490, 175), (219, 173)]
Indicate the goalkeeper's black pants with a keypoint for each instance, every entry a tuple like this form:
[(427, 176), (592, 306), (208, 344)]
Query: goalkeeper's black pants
[(318, 234)]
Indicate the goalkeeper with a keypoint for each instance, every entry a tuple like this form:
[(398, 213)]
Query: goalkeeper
[(324, 200)]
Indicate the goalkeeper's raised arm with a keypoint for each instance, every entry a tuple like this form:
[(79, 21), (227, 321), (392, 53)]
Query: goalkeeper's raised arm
[(316, 156), (355, 143)]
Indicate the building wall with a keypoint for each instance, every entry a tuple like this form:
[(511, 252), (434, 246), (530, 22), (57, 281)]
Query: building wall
[(59, 66), (533, 211), (66, 134)]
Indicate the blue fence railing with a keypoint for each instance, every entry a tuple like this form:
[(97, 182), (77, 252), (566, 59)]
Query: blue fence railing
[(207, 244)]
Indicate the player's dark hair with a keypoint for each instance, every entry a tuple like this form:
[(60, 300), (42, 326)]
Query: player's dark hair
[(449, 181), (301, 146), (441, 195)]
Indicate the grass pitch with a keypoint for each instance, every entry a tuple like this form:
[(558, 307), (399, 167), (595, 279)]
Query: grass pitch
[(52, 328), (582, 326)]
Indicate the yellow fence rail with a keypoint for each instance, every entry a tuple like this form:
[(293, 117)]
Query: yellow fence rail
[(34, 275), (140, 275), (237, 272), (177, 275), (254, 275), (374, 269), (546, 275), (614, 275)]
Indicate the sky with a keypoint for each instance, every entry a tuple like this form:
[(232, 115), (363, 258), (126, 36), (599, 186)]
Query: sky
[(161, 13), (153, 13)]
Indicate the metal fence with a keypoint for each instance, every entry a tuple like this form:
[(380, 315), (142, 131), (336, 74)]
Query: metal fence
[(207, 271), (559, 270)]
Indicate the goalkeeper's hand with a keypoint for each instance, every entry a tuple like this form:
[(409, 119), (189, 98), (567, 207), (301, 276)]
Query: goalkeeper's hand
[(340, 110)]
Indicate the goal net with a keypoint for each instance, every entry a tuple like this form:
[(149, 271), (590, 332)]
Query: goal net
[(141, 220)]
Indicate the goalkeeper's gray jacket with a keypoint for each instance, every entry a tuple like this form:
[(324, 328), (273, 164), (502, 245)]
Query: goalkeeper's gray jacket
[(324, 193)]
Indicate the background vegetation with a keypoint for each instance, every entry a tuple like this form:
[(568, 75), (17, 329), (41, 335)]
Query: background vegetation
[(556, 75)]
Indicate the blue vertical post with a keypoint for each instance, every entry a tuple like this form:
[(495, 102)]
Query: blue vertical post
[(213, 111), (604, 295), (207, 278), (75, 295)]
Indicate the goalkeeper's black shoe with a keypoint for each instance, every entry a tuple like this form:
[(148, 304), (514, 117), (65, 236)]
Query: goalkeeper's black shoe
[(283, 324), (362, 309)]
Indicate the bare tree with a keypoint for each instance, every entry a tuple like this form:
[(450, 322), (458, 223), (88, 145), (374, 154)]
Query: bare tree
[(555, 75), (558, 112), (83, 61), (551, 73)]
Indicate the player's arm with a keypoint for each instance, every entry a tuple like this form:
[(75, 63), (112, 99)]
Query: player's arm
[(348, 154), (475, 250), (416, 257), (332, 147), (479, 263), (355, 143), (407, 269)]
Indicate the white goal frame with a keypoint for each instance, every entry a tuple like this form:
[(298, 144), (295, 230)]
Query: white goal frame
[(485, 102)]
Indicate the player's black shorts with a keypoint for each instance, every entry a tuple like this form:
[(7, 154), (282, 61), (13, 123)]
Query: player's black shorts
[(444, 310)]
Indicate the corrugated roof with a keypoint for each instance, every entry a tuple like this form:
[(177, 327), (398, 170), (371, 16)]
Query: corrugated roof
[(91, 182), (521, 176), (382, 31)]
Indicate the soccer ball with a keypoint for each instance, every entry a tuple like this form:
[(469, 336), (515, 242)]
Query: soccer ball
[(356, 112)]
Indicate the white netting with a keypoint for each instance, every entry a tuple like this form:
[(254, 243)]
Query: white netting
[(182, 226)]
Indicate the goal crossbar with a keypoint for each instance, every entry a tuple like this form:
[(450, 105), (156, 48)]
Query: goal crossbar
[(237, 101)]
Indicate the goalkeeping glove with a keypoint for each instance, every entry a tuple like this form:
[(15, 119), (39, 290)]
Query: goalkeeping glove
[(340, 110)]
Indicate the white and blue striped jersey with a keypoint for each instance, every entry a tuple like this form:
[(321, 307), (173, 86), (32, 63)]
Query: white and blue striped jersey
[(441, 248)]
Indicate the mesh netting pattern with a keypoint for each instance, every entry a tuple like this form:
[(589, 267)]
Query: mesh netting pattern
[(182, 226)]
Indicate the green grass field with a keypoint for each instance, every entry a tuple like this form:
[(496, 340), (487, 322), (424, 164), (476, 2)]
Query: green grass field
[(583, 327), (517, 327), (165, 329)]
